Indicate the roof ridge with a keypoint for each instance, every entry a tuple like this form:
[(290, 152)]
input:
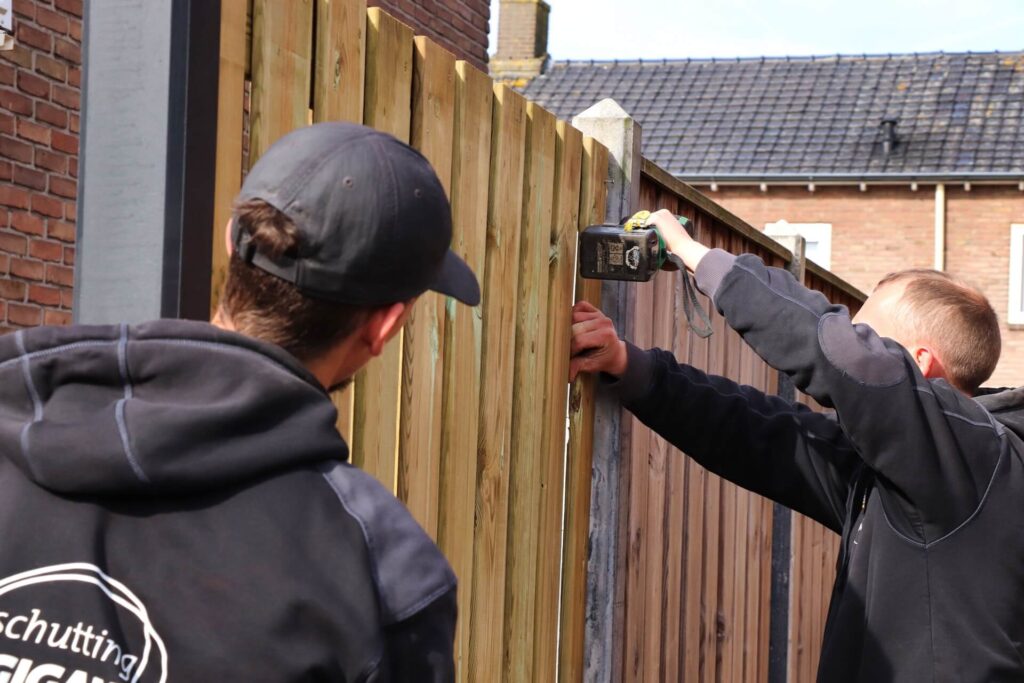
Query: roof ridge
[(665, 61)]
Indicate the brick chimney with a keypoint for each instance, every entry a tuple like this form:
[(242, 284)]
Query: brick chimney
[(522, 42)]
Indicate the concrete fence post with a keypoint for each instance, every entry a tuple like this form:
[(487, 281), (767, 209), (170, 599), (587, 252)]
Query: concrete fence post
[(610, 125), (782, 517)]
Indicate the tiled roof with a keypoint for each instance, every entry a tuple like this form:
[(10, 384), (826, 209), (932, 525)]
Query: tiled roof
[(959, 114)]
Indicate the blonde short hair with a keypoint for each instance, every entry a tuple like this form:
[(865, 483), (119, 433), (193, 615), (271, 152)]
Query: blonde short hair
[(952, 317)]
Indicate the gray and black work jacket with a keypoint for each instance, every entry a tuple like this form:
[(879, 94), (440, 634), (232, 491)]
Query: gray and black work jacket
[(175, 505), (925, 486)]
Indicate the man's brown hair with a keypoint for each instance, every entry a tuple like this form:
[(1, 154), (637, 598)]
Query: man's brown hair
[(956, 320), (268, 308)]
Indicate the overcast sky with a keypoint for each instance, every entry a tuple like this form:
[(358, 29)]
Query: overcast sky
[(655, 29)]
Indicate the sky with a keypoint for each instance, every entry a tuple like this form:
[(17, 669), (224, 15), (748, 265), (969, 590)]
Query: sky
[(656, 29)]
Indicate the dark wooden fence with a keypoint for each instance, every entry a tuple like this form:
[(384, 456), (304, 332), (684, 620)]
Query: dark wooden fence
[(694, 591)]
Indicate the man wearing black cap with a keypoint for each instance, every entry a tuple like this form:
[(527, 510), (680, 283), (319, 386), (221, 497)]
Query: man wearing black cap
[(174, 498)]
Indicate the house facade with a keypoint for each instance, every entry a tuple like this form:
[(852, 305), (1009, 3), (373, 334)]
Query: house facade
[(881, 162)]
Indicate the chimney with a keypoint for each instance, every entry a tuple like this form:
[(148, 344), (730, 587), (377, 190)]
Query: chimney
[(889, 138), (522, 42)]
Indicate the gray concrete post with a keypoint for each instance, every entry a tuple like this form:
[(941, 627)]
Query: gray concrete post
[(610, 125)]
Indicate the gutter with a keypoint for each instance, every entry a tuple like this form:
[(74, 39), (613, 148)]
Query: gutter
[(848, 178)]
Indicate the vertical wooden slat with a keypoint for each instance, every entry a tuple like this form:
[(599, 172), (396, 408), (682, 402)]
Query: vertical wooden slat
[(338, 83), (713, 494), (676, 534), (389, 60), (501, 284), (419, 448), (462, 345), (230, 94), (526, 456), (593, 193), (639, 445), (340, 60), (654, 518), (551, 469), (282, 63), (694, 621)]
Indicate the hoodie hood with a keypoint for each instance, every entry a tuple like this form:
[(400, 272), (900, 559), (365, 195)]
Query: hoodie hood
[(1006, 405), (167, 407)]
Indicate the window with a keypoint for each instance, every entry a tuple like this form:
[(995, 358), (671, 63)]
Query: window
[(1016, 313), (817, 235)]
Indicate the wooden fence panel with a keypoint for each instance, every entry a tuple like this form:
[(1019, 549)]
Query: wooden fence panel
[(419, 449), (340, 60), (463, 344), (503, 364), (282, 68), (814, 548), (465, 414), (561, 264), (526, 455), (389, 71), (229, 134), (579, 455), (698, 565), (500, 284), (338, 83)]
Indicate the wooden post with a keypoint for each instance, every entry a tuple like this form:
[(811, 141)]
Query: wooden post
[(779, 655), (610, 125)]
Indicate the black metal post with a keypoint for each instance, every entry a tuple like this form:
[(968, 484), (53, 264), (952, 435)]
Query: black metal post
[(148, 158)]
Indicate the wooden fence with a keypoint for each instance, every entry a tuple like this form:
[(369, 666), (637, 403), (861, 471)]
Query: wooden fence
[(814, 548), (695, 593), (464, 416)]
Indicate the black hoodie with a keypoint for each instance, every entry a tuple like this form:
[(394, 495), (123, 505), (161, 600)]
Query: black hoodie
[(925, 486), (175, 506)]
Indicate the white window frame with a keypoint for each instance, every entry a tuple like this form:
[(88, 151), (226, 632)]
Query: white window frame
[(1015, 316), (820, 233)]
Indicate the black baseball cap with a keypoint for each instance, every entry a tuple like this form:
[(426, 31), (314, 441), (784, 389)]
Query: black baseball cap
[(375, 223)]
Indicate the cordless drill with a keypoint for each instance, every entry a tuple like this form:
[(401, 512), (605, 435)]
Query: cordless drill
[(633, 252), (629, 252)]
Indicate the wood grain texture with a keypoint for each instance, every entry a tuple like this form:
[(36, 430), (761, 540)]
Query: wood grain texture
[(231, 90), (419, 448), (340, 60), (528, 400), (282, 65), (579, 454), (387, 107), (634, 626), (501, 283), (551, 469), (463, 337)]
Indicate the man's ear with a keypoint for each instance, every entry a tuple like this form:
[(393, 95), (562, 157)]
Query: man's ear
[(383, 324), (227, 238), (929, 364)]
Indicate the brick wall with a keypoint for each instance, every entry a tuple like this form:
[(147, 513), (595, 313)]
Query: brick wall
[(892, 228), (460, 26), (39, 103)]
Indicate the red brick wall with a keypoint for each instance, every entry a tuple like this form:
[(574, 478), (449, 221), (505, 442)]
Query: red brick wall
[(39, 102), (460, 26), (892, 228)]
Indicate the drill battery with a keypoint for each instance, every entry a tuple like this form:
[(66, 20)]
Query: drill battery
[(608, 252)]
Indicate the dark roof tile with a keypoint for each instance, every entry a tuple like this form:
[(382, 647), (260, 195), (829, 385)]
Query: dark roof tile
[(812, 115)]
